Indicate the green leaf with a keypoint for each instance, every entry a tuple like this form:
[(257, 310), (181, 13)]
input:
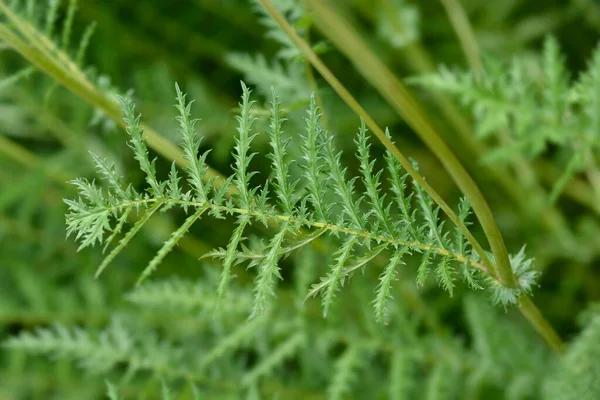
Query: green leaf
[(312, 147), (384, 288), (344, 188), (230, 255), (196, 168), (127, 238), (242, 153), (264, 288), (372, 182), (169, 244), (138, 145), (335, 278), (283, 187)]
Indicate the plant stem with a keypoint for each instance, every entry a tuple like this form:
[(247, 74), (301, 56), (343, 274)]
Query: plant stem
[(402, 101), (379, 133), (356, 107), (347, 40), (280, 218), (537, 320), (547, 214)]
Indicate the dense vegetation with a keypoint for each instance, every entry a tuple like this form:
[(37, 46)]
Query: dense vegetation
[(400, 200)]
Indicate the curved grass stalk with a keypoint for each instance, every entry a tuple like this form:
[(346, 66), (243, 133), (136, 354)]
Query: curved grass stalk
[(41, 52), (402, 101), (382, 137), (551, 218), (399, 98)]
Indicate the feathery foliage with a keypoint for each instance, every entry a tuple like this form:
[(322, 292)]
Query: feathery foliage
[(363, 234), (529, 106), (298, 200)]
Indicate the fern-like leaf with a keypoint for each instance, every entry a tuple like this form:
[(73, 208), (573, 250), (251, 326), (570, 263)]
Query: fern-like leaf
[(334, 206), (384, 289), (138, 145), (127, 238), (312, 149), (372, 182), (267, 271), (196, 164), (169, 244), (335, 279)]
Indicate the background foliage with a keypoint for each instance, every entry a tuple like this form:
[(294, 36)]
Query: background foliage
[(512, 86)]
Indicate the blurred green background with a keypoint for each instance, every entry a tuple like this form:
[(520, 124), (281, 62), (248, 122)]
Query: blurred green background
[(208, 46)]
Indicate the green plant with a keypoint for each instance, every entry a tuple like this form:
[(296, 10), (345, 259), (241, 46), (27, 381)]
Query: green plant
[(366, 230), (535, 102), (218, 243)]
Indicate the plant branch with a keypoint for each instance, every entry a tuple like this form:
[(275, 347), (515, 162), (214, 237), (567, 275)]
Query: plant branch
[(278, 218), (389, 86), (378, 131), (402, 101)]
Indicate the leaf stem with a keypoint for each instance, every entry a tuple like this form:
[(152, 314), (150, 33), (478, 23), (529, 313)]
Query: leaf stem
[(278, 218)]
